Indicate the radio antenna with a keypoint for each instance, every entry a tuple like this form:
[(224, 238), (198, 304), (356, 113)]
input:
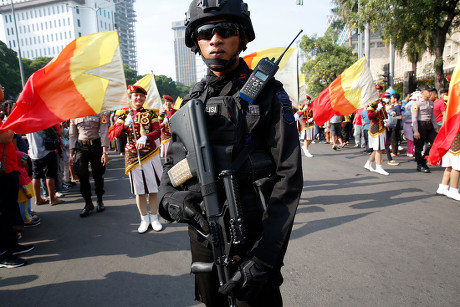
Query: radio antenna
[(281, 56)]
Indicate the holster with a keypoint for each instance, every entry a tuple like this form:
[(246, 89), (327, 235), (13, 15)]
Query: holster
[(264, 188)]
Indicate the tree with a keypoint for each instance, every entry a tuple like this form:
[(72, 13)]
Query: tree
[(416, 24), (326, 60), (9, 68)]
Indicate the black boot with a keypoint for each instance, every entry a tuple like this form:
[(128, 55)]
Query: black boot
[(88, 208), (100, 204)]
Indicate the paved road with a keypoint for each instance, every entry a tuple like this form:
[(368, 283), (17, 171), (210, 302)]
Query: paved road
[(359, 239)]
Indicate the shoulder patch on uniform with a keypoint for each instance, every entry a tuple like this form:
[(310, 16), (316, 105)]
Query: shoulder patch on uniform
[(414, 107), (286, 104)]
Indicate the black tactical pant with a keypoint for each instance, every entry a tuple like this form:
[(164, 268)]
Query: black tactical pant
[(8, 207), (427, 134), (85, 154)]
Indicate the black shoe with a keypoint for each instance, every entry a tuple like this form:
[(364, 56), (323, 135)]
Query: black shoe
[(9, 261), (88, 208), (100, 206), (423, 169), (21, 249)]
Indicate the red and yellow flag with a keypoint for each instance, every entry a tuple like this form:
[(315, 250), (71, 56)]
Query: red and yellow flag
[(352, 90), (451, 125), (86, 78)]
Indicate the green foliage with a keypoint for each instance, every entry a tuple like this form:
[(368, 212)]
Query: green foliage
[(166, 86), (325, 60), (9, 71), (412, 26), (130, 75)]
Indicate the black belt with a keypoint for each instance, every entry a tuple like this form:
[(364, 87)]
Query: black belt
[(426, 122), (89, 142)]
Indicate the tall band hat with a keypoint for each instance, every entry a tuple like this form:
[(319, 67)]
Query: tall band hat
[(136, 89), (168, 98)]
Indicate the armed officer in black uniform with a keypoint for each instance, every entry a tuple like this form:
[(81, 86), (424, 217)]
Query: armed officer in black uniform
[(219, 31), (89, 141)]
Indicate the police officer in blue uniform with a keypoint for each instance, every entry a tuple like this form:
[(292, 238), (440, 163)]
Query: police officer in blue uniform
[(219, 31)]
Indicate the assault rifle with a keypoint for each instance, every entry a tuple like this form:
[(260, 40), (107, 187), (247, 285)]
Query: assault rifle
[(224, 216)]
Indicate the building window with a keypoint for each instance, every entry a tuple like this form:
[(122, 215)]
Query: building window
[(9, 42), (39, 12), (8, 31), (14, 44), (78, 22), (60, 35), (51, 25), (79, 34), (77, 10), (12, 31), (10, 18), (6, 19), (59, 23), (54, 11), (49, 11)]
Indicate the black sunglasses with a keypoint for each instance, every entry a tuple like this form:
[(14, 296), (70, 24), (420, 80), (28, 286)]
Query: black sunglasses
[(224, 29)]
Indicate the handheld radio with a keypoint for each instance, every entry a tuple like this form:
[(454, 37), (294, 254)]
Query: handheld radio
[(262, 73)]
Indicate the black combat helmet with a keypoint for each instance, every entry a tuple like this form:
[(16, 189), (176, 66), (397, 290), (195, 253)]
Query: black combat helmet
[(201, 11)]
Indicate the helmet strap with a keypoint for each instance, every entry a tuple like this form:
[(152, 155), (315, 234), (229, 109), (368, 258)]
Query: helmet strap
[(223, 65)]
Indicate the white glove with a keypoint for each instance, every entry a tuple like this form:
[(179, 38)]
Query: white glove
[(128, 120), (379, 107), (142, 140), (385, 122), (310, 120), (296, 117), (165, 121)]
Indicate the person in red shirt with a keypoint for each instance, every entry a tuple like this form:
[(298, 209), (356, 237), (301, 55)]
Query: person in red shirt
[(9, 181), (439, 104)]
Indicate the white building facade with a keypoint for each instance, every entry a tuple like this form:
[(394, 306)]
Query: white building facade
[(44, 27)]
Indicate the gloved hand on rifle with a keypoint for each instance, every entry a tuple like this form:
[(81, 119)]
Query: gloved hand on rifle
[(183, 207), (248, 281)]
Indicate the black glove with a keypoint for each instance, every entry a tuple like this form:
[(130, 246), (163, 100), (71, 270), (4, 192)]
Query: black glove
[(248, 281), (183, 207)]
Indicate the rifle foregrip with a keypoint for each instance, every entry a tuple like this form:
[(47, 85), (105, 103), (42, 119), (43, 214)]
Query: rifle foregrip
[(180, 173), (238, 231)]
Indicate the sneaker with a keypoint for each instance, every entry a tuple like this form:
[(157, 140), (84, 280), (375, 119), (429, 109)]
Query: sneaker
[(22, 249), (334, 147), (308, 154), (409, 155), (393, 163), (58, 194), (11, 262), (32, 223), (442, 189), (356, 146)]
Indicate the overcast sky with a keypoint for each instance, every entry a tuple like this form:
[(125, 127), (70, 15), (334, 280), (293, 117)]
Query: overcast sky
[(275, 22)]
